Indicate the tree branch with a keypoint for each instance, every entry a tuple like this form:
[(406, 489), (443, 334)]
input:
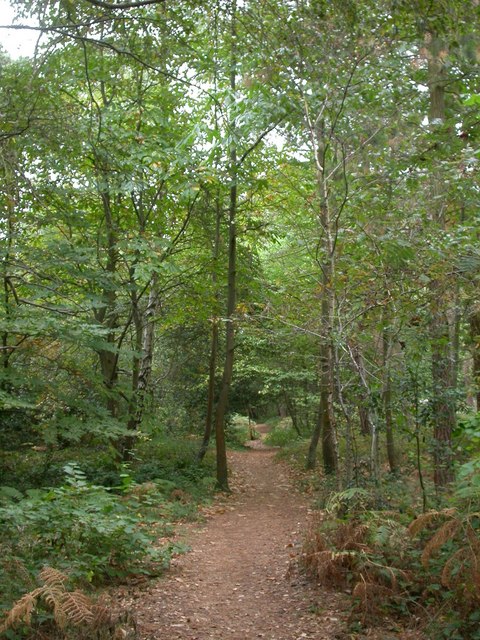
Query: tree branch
[(252, 147), (124, 5)]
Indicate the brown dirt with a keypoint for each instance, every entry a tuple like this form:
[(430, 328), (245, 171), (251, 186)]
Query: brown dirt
[(238, 582)]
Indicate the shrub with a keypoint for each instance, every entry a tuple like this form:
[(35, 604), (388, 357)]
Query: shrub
[(281, 435), (361, 553), (431, 567), (82, 528)]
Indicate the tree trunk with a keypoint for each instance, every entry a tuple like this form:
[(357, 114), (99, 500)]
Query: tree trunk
[(211, 391), (292, 412), (349, 442), (325, 427), (107, 316), (443, 392), (387, 401), (222, 468), (141, 378), (474, 320), (214, 337), (10, 190)]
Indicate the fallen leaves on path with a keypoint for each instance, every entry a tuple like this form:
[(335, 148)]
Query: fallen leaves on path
[(237, 582)]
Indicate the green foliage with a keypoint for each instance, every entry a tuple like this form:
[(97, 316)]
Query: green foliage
[(467, 433), (83, 529), (281, 435), (238, 430), (395, 566), (172, 463)]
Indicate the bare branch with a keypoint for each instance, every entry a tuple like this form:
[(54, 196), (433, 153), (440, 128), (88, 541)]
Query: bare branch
[(258, 141)]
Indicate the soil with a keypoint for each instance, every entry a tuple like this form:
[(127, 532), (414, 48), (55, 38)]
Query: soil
[(240, 581)]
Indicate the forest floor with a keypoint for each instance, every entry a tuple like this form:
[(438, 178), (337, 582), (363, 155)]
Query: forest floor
[(240, 579)]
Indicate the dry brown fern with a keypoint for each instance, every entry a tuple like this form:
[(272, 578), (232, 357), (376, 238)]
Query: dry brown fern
[(352, 536), (446, 532), (453, 567), (369, 597), (71, 609), (426, 519), (21, 611), (68, 607), (77, 608), (52, 577), (461, 566), (101, 616), (329, 567)]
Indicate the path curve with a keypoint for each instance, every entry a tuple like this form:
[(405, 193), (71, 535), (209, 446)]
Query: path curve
[(235, 583)]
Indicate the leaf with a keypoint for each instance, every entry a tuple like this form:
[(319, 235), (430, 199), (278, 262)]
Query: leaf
[(472, 100), (10, 492)]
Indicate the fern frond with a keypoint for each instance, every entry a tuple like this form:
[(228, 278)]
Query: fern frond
[(456, 559), (52, 594), (53, 577), (446, 532), (101, 616), (21, 611), (473, 539), (425, 519), (77, 607), (352, 536), (363, 590), (330, 567), (59, 615)]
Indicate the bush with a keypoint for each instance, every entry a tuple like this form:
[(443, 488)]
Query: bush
[(174, 461), (80, 528), (429, 567), (237, 430), (281, 435)]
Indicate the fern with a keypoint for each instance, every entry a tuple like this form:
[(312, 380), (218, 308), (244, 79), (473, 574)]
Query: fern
[(77, 608), (52, 577), (21, 611), (426, 519), (445, 533), (460, 561), (69, 608)]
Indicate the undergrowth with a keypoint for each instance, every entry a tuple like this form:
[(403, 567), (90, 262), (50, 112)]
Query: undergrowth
[(101, 522), (52, 609), (427, 569), (282, 434), (86, 530)]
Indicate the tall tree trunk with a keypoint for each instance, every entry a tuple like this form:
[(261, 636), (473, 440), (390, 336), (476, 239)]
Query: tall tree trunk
[(443, 392), (10, 194), (108, 316), (222, 468), (325, 427), (474, 320), (145, 334), (214, 340), (387, 400)]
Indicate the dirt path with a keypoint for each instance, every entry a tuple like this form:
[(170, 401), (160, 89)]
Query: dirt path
[(235, 584)]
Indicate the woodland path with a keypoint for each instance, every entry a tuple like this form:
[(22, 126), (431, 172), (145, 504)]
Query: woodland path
[(235, 583)]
